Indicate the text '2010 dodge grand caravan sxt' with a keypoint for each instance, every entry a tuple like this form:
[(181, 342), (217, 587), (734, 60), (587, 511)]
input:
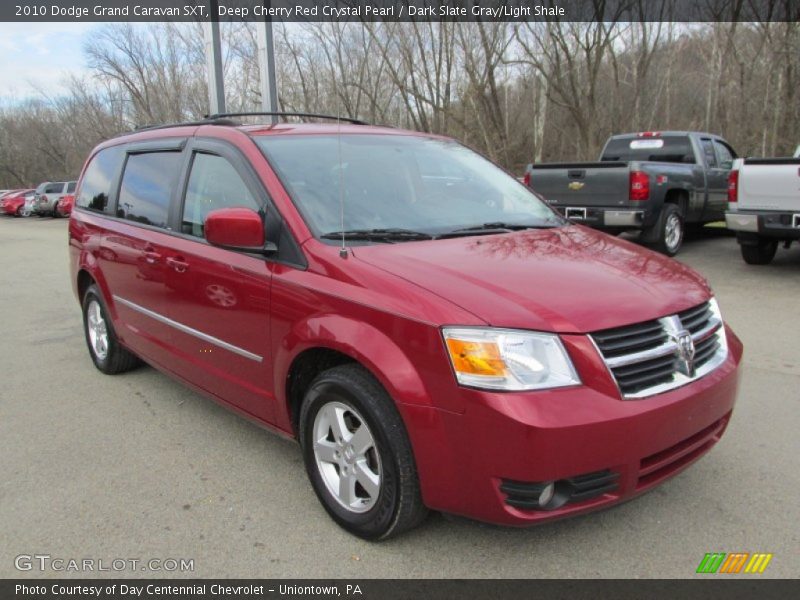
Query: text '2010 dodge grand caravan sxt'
[(431, 332)]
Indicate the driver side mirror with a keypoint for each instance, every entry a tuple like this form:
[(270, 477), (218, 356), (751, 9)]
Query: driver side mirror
[(237, 229)]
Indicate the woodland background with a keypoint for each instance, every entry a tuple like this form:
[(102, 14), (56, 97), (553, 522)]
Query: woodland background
[(516, 92)]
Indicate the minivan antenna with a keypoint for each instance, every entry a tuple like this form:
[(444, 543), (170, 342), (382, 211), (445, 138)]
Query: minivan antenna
[(343, 249)]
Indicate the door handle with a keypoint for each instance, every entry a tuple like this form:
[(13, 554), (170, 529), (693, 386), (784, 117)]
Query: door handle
[(177, 263), (151, 257)]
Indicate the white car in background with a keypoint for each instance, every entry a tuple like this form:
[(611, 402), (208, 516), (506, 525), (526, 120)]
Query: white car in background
[(27, 208), (764, 205), (49, 194)]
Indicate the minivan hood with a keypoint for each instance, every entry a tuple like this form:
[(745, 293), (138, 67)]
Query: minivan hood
[(568, 279)]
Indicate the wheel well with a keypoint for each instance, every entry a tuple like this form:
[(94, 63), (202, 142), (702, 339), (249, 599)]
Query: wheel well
[(84, 281), (306, 366), (679, 197)]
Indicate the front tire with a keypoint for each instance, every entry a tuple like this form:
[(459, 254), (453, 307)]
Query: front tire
[(761, 253), (358, 456), (104, 348)]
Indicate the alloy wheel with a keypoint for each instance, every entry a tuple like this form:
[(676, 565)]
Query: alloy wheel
[(346, 457), (98, 331), (673, 231)]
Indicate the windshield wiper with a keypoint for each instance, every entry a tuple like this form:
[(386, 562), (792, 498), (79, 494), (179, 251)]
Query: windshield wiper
[(496, 227), (391, 234)]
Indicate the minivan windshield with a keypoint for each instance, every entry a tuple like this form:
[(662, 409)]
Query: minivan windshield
[(409, 186)]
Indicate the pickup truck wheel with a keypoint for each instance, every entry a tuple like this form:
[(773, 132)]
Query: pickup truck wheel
[(761, 253), (668, 230), (104, 348), (358, 456)]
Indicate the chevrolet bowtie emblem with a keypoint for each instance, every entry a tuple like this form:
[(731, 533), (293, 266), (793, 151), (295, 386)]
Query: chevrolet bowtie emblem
[(576, 185)]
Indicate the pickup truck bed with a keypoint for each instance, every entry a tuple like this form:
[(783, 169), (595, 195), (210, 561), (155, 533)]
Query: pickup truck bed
[(590, 192)]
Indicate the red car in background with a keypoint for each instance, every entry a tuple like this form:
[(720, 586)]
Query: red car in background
[(64, 208), (13, 203)]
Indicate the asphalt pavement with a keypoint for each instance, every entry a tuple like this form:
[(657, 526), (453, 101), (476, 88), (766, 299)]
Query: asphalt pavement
[(136, 466)]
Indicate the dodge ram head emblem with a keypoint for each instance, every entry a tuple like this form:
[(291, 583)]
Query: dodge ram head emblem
[(576, 185), (685, 353)]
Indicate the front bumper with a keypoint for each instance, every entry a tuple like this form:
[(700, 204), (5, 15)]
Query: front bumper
[(486, 463), (605, 217), (773, 224)]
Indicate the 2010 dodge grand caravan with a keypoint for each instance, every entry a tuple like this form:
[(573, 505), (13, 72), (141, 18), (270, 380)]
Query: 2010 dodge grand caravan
[(432, 333)]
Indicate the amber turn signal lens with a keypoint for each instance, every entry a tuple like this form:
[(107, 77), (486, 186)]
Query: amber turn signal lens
[(476, 358)]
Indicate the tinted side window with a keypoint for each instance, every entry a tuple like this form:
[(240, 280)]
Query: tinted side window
[(213, 183), (147, 186), (54, 188), (71, 187), (708, 152), (97, 180)]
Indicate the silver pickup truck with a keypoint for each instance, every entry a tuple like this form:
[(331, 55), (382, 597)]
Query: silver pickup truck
[(654, 182), (764, 205)]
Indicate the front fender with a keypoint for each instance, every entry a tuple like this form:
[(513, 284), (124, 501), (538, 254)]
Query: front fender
[(390, 364), (363, 342)]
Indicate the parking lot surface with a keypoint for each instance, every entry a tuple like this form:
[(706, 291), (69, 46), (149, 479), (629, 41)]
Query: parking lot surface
[(138, 466)]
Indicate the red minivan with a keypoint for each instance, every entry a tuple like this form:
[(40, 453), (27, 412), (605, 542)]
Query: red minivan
[(430, 331)]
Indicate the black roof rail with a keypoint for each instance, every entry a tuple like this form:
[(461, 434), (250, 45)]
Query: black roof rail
[(286, 114), (224, 119), (205, 121)]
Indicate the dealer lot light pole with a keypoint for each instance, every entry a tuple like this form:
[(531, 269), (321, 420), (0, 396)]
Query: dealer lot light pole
[(266, 64), (216, 84)]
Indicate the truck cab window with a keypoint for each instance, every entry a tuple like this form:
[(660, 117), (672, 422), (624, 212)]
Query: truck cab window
[(725, 154), (708, 152)]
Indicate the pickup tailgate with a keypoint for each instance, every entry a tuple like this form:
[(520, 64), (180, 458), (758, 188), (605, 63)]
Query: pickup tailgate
[(770, 184), (581, 184)]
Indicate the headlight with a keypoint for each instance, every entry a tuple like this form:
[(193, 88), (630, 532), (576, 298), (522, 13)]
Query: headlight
[(507, 359)]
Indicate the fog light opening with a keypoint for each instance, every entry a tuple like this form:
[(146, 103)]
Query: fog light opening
[(547, 494)]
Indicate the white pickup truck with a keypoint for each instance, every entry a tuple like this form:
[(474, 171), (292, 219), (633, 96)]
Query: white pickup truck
[(764, 205)]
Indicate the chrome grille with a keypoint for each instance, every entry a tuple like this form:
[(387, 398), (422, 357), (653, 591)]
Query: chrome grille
[(633, 338), (655, 356), (695, 319)]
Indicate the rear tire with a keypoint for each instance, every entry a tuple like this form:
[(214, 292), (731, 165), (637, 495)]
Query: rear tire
[(104, 348), (668, 231), (350, 432), (55, 211), (761, 253)]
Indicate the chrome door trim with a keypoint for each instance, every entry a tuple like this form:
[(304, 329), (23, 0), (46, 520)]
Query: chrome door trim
[(188, 330)]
